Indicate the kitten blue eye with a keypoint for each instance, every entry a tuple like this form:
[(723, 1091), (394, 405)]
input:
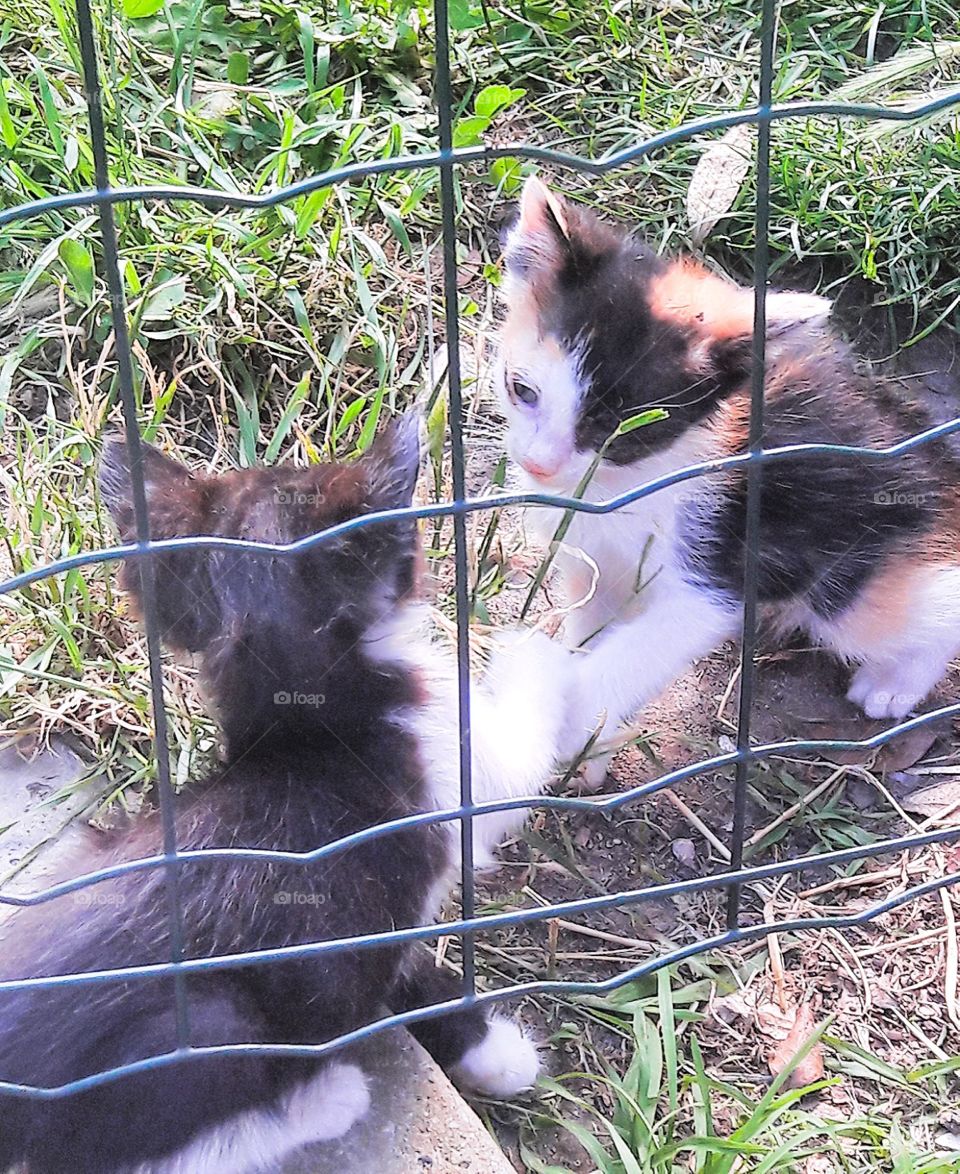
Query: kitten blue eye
[(523, 392)]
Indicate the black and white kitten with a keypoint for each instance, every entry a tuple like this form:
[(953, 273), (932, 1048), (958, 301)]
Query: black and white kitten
[(864, 556), (336, 714)]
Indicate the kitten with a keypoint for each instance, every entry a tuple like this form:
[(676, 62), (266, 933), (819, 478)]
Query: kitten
[(314, 666), (863, 556)]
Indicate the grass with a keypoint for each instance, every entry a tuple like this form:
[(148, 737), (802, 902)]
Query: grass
[(289, 333), (662, 1111)]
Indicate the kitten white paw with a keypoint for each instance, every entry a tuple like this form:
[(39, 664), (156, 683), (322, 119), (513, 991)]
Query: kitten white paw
[(504, 1063), (329, 1105), (887, 692), (532, 658)]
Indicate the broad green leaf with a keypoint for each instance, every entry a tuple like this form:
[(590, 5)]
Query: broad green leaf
[(238, 68), (461, 16), (492, 99), (78, 262), (141, 9), (507, 174), (45, 259), (467, 132), (162, 301)]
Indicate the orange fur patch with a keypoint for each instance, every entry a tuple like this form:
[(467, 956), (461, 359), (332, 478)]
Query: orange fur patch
[(730, 426), (883, 610), (690, 296)]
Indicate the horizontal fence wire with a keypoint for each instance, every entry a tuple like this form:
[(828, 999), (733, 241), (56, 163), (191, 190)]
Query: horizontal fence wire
[(744, 758), (461, 156)]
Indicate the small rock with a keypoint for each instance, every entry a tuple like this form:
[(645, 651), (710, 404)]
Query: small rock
[(861, 795), (685, 851)]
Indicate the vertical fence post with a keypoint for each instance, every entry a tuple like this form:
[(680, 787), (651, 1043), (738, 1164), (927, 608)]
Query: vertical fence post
[(448, 196), (118, 308), (761, 265)]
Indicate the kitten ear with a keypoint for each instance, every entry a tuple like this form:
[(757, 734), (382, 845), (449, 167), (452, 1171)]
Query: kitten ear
[(393, 463), (187, 606), (541, 211), (541, 235), (169, 488)]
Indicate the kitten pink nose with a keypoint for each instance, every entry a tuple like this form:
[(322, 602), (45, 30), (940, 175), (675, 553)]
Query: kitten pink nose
[(543, 472)]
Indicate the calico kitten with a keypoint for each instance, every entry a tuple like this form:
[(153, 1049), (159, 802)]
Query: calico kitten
[(314, 664), (862, 555)]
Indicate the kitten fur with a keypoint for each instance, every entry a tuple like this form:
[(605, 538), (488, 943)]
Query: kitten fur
[(336, 714), (862, 555)]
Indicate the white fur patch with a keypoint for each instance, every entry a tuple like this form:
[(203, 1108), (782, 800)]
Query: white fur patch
[(902, 665), (541, 436), (504, 1063), (636, 641), (627, 547), (785, 307), (322, 1110), (516, 720)]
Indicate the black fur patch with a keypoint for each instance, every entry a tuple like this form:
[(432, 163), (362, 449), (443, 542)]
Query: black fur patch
[(826, 522)]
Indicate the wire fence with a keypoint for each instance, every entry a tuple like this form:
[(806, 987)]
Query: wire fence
[(743, 758)]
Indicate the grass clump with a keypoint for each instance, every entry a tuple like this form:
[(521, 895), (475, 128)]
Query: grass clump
[(660, 1110)]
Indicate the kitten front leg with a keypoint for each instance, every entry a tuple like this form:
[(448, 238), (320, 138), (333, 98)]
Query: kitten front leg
[(481, 1049), (631, 663), (517, 726)]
